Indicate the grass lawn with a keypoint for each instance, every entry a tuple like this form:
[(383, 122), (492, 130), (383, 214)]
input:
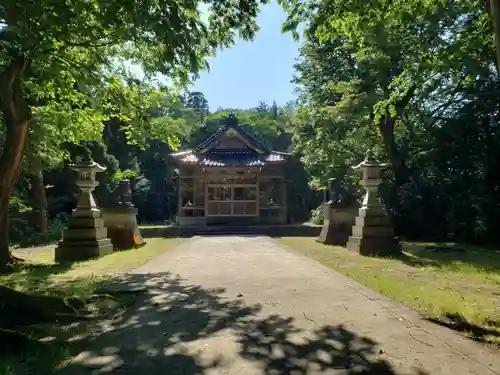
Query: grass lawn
[(452, 285), (39, 275), (154, 226)]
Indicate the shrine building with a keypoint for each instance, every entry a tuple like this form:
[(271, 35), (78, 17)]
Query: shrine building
[(231, 178)]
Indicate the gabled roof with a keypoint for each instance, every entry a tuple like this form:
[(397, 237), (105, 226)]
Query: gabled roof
[(231, 123), (205, 154)]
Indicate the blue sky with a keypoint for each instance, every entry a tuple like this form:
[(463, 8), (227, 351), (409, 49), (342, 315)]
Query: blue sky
[(249, 72)]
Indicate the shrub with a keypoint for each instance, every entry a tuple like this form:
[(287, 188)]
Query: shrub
[(317, 215), (53, 234)]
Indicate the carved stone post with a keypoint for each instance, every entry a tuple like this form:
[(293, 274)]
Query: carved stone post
[(86, 236), (121, 220), (373, 233)]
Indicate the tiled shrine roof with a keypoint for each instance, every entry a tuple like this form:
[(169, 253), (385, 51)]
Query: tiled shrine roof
[(257, 154), (223, 158)]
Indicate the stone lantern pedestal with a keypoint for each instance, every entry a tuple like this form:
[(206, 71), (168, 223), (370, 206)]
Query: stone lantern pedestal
[(338, 216), (337, 224), (372, 233), (86, 236), (121, 220)]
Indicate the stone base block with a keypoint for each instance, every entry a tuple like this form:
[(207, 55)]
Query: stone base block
[(78, 250), (85, 234), (374, 246), (373, 221), (335, 234), (85, 222), (122, 227), (376, 211), (125, 238), (92, 213), (337, 225), (373, 231)]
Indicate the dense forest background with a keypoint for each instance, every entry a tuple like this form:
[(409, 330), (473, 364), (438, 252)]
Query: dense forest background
[(415, 81), (43, 201)]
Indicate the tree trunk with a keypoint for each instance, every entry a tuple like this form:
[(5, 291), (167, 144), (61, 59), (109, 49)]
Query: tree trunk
[(397, 161), (16, 115), (5, 256), (386, 126), (495, 18), (39, 201)]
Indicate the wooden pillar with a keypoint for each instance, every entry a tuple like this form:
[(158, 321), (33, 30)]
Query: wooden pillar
[(257, 205), (284, 198), (194, 182), (179, 198), (206, 191)]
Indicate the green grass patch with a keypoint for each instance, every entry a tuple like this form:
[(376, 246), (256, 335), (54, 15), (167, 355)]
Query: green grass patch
[(154, 226), (455, 286), (40, 347)]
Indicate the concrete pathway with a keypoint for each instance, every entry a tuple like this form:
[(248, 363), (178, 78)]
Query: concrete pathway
[(249, 306)]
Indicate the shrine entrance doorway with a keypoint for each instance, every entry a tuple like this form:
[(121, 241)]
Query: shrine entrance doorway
[(232, 194)]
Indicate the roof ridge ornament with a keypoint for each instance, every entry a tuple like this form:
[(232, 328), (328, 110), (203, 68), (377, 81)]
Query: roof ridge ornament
[(231, 119)]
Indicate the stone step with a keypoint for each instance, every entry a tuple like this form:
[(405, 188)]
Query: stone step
[(229, 230)]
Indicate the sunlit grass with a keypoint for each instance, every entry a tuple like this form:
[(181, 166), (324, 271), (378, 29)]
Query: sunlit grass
[(155, 226), (41, 274)]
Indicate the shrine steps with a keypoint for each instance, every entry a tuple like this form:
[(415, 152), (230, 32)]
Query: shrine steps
[(230, 230), (172, 231)]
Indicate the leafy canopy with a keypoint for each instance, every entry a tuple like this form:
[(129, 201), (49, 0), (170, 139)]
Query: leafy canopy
[(79, 51), (365, 67)]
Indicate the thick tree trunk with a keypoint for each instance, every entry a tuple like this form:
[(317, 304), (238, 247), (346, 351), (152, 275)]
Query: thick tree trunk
[(495, 18), (397, 161), (386, 125), (39, 201), (5, 255), (16, 115)]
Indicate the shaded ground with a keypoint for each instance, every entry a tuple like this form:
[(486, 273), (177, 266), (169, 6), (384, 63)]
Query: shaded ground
[(246, 305), (44, 303)]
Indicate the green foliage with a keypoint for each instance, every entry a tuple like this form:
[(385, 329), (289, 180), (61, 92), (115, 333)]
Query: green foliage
[(198, 102), (317, 216), (264, 122), (53, 234), (24, 235), (123, 175), (18, 205), (164, 36), (63, 70), (416, 82)]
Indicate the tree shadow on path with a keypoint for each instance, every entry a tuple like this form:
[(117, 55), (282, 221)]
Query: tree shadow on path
[(271, 343), (178, 328)]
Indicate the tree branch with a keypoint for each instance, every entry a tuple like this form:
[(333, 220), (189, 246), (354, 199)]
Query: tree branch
[(11, 99), (91, 43)]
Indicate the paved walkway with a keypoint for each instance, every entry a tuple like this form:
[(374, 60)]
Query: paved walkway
[(248, 306)]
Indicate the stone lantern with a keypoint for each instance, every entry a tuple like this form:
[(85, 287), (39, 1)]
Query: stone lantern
[(371, 179), (86, 236), (372, 233)]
